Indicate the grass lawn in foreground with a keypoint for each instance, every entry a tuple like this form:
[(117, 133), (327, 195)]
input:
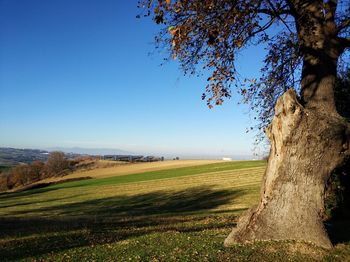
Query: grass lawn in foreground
[(179, 214)]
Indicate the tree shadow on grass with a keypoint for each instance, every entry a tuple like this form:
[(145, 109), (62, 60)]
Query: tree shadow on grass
[(7, 195), (110, 220), (41, 187), (155, 203), (26, 202)]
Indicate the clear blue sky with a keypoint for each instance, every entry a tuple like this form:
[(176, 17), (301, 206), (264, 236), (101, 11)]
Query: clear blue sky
[(77, 73)]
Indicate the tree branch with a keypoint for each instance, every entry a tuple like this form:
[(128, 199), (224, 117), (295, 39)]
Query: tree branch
[(276, 13), (263, 28), (330, 8), (344, 24)]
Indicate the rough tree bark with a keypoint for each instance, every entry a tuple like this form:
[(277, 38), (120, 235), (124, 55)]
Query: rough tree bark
[(309, 139), (305, 147)]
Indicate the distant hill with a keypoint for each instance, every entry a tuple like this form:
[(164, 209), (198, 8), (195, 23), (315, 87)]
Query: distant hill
[(91, 151), (14, 156)]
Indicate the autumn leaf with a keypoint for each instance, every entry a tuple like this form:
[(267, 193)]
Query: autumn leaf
[(212, 78), (173, 30), (239, 42)]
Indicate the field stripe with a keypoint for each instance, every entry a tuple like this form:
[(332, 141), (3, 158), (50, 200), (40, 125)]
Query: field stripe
[(162, 174)]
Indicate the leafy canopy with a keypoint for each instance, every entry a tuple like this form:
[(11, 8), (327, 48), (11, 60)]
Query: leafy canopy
[(208, 34)]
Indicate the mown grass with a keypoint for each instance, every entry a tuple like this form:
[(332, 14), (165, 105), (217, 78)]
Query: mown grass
[(84, 197), (162, 174), (177, 216)]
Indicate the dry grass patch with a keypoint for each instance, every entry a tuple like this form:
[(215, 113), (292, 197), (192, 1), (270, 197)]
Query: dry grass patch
[(107, 168)]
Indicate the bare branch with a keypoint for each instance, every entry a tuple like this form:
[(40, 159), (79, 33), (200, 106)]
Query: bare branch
[(278, 15), (330, 8), (344, 24), (264, 27)]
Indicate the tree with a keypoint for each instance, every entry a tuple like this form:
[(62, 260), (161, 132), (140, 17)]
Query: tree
[(19, 176), (306, 43), (56, 164), (37, 168)]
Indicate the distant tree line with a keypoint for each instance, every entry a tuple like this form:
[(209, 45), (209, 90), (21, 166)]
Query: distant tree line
[(22, 175)]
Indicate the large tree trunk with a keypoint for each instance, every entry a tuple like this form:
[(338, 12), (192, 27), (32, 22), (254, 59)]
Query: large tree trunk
[(309, 139), (306, 145)]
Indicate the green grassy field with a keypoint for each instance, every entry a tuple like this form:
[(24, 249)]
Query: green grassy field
[(181, 214)]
